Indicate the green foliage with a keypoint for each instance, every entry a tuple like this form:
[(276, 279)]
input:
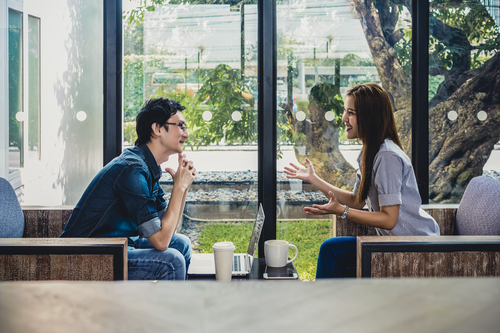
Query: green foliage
[(404, 51), (307, 235), (137, 84), (434, 82), (222, 94), (473, 19), (470, 17), (129, 132)]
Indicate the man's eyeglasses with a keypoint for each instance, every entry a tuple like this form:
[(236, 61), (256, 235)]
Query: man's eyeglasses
[(182, 126)]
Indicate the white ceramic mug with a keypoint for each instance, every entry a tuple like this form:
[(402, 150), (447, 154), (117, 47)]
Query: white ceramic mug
[(276, 252), (223, 256)]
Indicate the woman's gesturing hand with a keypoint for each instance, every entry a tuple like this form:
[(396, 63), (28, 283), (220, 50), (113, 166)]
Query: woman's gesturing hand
[(299, 172), (332, 207)]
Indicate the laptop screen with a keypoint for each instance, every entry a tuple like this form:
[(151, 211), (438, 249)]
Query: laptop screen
[(257, 229)]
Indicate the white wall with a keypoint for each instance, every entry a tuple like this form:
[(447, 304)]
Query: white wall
[(71, 81)]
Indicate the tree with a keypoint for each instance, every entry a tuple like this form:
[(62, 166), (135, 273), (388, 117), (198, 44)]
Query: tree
[(464, 33)]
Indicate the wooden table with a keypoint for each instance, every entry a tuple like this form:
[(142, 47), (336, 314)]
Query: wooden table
[(343, 305)]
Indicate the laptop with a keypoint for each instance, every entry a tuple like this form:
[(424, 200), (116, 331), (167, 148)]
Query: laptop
[(204, 264)]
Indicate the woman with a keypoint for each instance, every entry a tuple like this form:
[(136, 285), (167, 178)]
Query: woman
[(385, 182)]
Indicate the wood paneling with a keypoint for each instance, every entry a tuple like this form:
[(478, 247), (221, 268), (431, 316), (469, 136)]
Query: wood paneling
[(45, 222), (435, 264), (345, 227), (445, 216), (89, 267)]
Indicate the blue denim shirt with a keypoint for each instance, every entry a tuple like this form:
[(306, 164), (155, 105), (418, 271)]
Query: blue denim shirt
[(123, 200)]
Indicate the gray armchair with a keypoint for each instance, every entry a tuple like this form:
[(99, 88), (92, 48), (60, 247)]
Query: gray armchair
[(479, 209), (11, 215)]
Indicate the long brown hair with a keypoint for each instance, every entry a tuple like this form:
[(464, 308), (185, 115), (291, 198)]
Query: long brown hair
[(375, 118)]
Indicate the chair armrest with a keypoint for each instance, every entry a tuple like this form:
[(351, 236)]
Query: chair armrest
[(94, 259), (428, 256)]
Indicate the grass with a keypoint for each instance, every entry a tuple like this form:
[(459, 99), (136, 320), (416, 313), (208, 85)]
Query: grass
[(307, 235)]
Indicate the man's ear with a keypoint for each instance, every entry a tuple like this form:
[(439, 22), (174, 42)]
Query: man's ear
[(155, 130)]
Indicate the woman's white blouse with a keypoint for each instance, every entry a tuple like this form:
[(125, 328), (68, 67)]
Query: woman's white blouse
[(394, 183)]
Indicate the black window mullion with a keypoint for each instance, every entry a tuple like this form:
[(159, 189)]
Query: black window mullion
[(267, 117), (112, 85), (420, 104)]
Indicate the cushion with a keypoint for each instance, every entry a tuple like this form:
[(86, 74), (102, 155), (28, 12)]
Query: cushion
[(479, 209), (11, 214)]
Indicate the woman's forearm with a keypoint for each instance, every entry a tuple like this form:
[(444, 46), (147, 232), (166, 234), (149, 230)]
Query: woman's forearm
[(344, 197), (385, 219)]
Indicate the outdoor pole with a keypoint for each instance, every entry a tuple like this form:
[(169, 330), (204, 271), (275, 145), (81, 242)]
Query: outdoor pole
[(242, 37)]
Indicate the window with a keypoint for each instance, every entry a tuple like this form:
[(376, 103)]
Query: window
[(324, 48), (464, 129), (205, 57), (16, 107)]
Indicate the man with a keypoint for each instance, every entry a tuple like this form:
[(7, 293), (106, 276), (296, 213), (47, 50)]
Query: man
[(125, 198)]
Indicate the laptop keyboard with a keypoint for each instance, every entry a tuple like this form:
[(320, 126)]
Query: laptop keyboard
[(236, 263)]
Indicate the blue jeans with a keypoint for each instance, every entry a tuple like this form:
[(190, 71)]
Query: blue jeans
[(337, 258), (146, 263)]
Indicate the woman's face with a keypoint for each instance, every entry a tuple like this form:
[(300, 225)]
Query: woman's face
[(350, 118)]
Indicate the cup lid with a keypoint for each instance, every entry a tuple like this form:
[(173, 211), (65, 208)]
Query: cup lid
[(224, 246)]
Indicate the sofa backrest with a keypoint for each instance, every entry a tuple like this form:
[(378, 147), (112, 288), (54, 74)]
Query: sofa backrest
[(479, 209)]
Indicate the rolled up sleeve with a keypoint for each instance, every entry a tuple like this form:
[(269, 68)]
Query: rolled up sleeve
[(387, 179), (132, 186)]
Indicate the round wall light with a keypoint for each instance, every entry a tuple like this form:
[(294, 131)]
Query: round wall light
[(300, 116), (452, 115), (236, 115), (207, 115), (81, 115)]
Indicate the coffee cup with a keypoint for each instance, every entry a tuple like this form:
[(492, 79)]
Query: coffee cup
[(223, 256), (276, 252)]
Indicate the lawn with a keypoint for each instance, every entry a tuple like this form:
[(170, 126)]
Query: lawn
[(307, 235)]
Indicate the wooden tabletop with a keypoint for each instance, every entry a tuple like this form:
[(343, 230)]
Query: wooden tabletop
[(347, 305)]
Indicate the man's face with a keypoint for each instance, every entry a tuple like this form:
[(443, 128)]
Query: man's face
[(173, 139)]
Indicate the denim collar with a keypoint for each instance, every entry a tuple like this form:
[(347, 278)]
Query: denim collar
[(151, 161)]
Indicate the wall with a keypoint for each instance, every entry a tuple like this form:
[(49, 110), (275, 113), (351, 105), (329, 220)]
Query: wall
[(71, 81)]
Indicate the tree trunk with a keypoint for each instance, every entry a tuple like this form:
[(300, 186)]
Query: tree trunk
[(459, 149), (319, 142), (391, 73)]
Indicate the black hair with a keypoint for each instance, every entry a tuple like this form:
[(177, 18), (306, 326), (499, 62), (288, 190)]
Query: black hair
[(157, 110)]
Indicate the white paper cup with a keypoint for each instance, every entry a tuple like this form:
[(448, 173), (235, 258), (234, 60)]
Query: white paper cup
[(223, 256), (276, 252)]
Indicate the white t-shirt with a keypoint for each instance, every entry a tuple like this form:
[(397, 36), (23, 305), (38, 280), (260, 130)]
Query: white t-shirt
[(394, 183)]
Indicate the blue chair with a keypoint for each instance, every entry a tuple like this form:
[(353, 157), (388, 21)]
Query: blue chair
[(479, 209), (11, 214)]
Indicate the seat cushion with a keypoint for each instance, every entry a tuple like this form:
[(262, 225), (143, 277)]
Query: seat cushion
[(479, 209), (11, 215)]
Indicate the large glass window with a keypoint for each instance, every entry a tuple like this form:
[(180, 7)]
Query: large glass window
[(205, 56), (324, 48), (464, 122), (16, 111)]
